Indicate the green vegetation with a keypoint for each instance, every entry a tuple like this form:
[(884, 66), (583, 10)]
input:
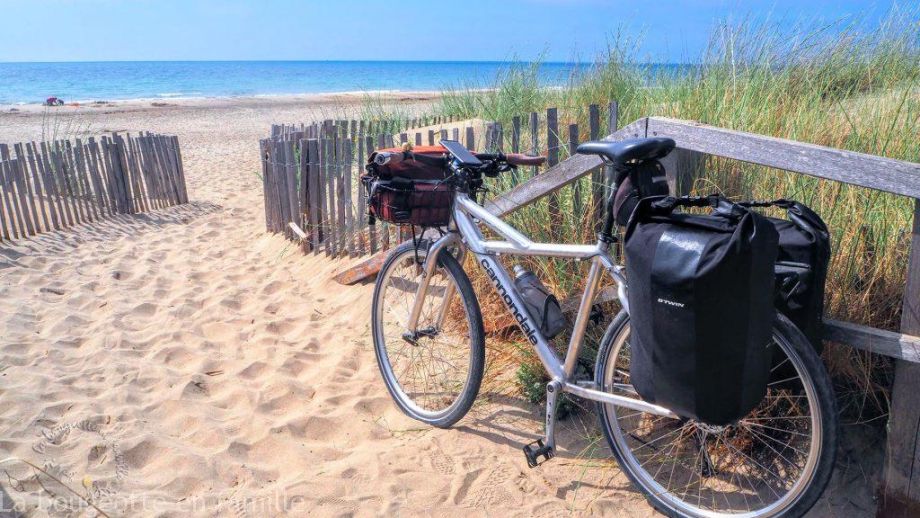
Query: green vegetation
[(834, 86)]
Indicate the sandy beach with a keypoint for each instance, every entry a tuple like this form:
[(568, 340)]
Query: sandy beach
[(185, 363)]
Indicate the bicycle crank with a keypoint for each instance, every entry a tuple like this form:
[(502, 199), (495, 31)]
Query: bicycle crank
[(544, 449)]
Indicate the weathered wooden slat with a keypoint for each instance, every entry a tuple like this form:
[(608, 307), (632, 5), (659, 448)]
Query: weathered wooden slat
[(557, 177), (169, 168), (173, 154), (48, 217), (107, 169), (274, 183), (5, 232), (361, 214), (303, 192), (900, 495), (470, 138), (16, 187), (33, 189), (516, 134), (283, 189), (112, 165), (349, 200), (884, 174), (332, 239), (98, 183), (365, 270), (597, 176), (75, 181), (291, 163), (340, 194), (552, 158), (52, 168), (65, 181), (25, 193), (130, 179), (313, 178), (85, 181), (6, 183), (266, 198), (323, 220), (534, 139), (368, 150), (577, 195)]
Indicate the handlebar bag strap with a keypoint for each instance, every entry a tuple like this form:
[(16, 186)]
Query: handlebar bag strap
[(419, 163), (701, 306)]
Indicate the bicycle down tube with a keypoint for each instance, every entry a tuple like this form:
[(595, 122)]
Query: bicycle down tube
[(487, 252)]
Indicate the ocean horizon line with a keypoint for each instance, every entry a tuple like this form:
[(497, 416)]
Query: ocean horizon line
[(34, 82), (459, 61)]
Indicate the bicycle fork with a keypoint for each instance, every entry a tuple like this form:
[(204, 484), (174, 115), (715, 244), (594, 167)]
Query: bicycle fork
[(428, 269)]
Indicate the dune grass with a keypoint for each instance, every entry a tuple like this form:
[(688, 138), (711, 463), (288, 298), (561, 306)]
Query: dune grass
[(839, 85)]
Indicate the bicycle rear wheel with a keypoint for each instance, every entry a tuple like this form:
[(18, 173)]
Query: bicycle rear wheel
[(776, 461), (434, 374)]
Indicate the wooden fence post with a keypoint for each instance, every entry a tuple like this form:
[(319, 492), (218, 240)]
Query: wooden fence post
[(349, 220), (900, 492), (598, 187), (577, 195), (315, 192), (552, 158), (368, 149), (681, 168)]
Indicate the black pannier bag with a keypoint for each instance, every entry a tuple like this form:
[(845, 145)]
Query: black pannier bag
[(411, 191), (701, 306), (801, 266)]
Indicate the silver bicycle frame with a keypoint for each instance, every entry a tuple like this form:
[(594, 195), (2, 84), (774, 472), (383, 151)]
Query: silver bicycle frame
[(466, 234)]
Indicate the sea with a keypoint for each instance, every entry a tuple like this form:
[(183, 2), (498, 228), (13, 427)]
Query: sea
[(30, 83), (26, 83)]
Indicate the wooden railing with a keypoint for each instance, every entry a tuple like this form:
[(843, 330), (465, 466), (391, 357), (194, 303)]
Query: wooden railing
[(54, 185)]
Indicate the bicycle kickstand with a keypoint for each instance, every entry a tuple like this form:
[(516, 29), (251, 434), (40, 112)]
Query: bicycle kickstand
[(546, 447)]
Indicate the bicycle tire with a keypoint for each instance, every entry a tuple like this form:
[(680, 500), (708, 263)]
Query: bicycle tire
[(826, 457), (448, 265)]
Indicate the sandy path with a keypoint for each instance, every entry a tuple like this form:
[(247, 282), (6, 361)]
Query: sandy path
[(184, 363)]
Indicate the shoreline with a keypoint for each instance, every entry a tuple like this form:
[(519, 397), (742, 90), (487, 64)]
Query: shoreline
[(349, 98)]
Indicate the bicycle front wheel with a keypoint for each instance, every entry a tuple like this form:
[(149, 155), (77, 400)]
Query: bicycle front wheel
[(434, 373), (776, 461)]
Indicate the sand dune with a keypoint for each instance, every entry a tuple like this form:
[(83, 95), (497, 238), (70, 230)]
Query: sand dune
[(185, 363)]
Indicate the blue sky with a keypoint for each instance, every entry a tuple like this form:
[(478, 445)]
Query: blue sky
[(559, 30)]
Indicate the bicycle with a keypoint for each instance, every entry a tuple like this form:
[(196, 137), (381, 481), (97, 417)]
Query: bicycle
[(775, 461)]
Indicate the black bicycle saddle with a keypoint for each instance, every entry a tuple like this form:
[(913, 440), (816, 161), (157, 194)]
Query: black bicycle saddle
[(626, 151)]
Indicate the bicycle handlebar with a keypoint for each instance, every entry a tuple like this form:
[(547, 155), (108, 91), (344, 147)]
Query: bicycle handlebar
[(521, 159)]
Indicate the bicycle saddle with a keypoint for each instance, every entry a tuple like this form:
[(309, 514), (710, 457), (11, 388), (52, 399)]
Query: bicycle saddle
[(624, 151)]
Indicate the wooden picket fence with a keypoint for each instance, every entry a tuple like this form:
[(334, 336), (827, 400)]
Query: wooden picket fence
[(311, 172), (54, 185)]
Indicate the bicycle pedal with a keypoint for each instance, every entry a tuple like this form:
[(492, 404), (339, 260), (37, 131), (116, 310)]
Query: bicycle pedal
[(537, 449)]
